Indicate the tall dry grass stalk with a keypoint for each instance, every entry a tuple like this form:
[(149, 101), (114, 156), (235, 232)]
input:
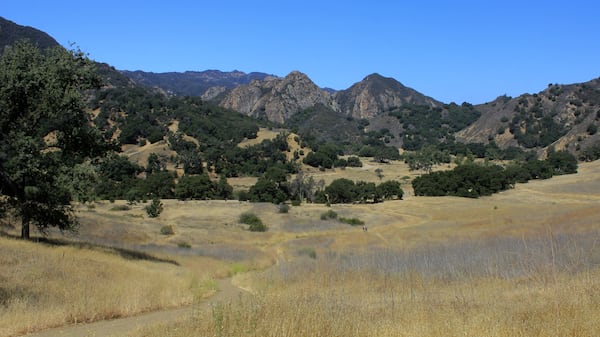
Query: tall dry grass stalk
[(43, 286), (504, 287)]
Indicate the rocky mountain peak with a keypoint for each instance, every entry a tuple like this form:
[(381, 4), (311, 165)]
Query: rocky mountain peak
[(376, 93), (276, 98)]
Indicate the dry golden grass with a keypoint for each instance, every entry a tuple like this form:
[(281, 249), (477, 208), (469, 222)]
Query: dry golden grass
[(521, 290), (44, 285), (520, 263)]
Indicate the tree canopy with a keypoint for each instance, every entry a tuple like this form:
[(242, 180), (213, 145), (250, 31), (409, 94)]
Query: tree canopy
[(44, 131)]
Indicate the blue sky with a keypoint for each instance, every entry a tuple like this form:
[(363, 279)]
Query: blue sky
[(453, 51)]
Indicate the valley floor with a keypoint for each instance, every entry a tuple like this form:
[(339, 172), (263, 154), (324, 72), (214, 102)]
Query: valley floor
[(522, 263)]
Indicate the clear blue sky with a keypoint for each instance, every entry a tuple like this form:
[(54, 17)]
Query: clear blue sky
[(453, 51)]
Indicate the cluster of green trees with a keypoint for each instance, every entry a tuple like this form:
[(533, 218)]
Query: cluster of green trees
[(590, 153), (326, 156), (474, 180), (343, 191), (255, 160), (430, 155), (143, 115), (276, 186), (532, 126), (424, 125), (118, 178)]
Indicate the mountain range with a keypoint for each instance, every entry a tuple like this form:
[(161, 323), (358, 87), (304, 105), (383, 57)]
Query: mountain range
[(560, 116)]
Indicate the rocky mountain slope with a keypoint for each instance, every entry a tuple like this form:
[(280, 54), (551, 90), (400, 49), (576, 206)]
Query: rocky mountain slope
[(276, 99), (561, 116), (279, 99), (375, 94), (11, 32)]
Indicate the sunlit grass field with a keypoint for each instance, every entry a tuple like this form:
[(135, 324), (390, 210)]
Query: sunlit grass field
[(525, 262)]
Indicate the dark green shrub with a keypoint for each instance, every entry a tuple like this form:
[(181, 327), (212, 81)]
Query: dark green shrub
[(155, 208), (330, 214), (253, 221), (352, 221), (592, 129)]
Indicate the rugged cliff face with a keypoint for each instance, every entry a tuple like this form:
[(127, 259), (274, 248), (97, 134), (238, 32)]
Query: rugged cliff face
[(376, 94), (277, 99)]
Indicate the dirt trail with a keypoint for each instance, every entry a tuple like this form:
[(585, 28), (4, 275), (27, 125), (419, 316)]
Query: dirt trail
[(124, 326)]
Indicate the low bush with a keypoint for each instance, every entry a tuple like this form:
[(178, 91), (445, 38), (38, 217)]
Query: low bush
[(330, 214), (352, 221), (254, 223), (283, 208)]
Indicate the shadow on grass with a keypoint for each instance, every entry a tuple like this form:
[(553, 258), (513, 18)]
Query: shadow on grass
[(125, 253)]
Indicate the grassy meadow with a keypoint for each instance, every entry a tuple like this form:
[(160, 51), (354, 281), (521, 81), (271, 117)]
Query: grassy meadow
[(525, 262)]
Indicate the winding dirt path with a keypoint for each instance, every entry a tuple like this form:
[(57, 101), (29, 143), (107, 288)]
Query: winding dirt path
[(124, 326)]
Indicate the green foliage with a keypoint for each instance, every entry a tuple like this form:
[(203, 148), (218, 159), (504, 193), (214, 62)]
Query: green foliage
[(341, 190), (330, 214), (428, 125), (469, 180), (590, 153), (234, 161), (160, 184), (254, 223), (390, 189), (314, 126), (354, 161), (533, 127), (267, 190), (194, 187), (155, 208), (326, 155), (41, 94), (472, 180), (148, 112), (352, 221), (592, 129), (344, 190), (425, 158), (562, 162)]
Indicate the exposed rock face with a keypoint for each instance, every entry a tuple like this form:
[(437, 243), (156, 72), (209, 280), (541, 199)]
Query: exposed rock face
[(375, 94), (213, 92), (277, 98)]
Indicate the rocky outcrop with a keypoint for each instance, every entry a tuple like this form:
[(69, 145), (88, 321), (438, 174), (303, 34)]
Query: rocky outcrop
[(376, 94), (277, 99)]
